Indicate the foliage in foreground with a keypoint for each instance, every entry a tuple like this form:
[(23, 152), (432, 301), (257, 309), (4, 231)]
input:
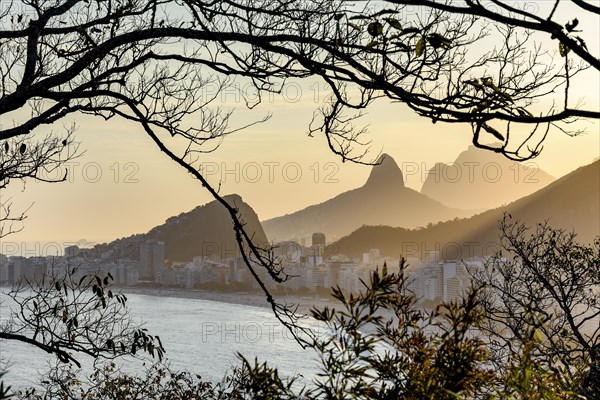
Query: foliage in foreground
[(247, 381), (70, 315), (410, 354), (546, 286)]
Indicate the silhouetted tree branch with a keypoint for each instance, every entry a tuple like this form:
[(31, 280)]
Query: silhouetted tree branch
[(152, 61), (546, 286), (431, 55), (25, 158), (66, 313)]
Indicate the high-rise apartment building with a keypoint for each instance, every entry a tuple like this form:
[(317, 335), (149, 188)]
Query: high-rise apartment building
[(152, 259)]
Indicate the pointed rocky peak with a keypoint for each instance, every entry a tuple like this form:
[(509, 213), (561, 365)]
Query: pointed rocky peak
[(233, 198), (386, 173), (480, 155)]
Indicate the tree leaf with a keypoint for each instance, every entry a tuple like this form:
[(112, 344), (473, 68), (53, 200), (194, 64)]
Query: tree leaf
[(504, 94), (475, 83), (493, 131), (402, 46), (482, 106), (563, 49), (375, 28), (357, 27), (410, 29), (524, 113), (394, 23), (383, 12), (436, 40), (357, 17), (570, 26), (420, 48)]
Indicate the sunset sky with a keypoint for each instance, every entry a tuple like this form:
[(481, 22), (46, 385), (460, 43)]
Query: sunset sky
[(123, 185)]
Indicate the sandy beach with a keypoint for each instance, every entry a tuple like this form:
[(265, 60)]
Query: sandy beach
[(249, 299)]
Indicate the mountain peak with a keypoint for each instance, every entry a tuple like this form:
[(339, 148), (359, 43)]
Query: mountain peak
[(204, 231), (480, 179), (386, 172)]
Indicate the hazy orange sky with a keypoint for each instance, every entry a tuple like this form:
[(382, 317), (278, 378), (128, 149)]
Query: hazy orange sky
[(124, 185)]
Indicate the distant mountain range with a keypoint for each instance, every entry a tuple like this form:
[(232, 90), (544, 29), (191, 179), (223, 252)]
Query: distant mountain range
[(382, 200), (206, 230), (572, 202), (480, 179), (381, 214)]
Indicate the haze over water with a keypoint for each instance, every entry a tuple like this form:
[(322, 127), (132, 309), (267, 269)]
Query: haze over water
[(199, 336)]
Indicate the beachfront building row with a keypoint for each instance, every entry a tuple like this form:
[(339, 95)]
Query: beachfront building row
[(429, 281), (309, 268), (15, 269), (442, 281)]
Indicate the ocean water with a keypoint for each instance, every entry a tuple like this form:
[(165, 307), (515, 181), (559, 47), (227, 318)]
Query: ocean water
[(199, 336)]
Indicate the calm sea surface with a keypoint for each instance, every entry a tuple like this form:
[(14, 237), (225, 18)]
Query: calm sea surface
[(199, 336)]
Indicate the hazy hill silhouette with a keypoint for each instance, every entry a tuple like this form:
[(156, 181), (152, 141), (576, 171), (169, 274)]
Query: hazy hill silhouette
[(382, 199), (572, 202), (480, 179), (206, 230)]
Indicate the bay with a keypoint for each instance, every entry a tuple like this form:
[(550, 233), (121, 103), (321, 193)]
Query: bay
[(200, 336)]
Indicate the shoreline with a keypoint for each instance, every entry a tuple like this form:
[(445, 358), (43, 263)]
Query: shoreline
[(304, 303)]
